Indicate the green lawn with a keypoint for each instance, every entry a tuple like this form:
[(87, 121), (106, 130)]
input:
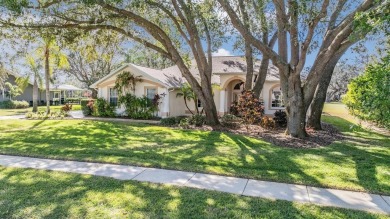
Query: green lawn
[(339, 110), (362, 162), (12, 112), (27, 193)]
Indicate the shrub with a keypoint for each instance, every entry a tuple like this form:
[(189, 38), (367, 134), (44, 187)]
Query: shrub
[(102, 108), (172, 121), (73, 100), (250, 108), (280, 118), (234, 109), (197, 120), (87, 106), (184, 123), (43, 115), (230, 121), (66, 108), (14, 104), (267, 123), (368, 94), (139, 107), (179, 118), (169, 121)]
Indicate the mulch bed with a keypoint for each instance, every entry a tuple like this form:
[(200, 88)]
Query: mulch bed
[(316, 138)]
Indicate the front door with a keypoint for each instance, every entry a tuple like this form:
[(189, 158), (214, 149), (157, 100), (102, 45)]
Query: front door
[(236, 96)]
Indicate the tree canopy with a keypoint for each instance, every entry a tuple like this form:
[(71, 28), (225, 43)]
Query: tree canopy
[(368, 94)]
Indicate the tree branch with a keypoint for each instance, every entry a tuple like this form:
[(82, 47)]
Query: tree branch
[(265, 49)]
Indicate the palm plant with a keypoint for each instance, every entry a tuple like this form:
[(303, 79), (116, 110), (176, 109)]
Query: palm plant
[(50, 54), (13, 90), (188, 94), (3, 76), (54, 58), (23, 82)]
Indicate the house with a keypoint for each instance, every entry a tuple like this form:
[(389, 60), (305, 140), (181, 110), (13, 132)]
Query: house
[(25, 95), (228, 73), (58, 93), (61, 93)]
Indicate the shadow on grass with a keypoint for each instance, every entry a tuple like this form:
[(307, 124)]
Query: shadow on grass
[(43, 194), (362, 162)]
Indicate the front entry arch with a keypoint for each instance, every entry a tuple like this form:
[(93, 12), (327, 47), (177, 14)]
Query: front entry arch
[(233, 92)]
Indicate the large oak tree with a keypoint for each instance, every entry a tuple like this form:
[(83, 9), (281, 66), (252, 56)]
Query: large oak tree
[(178, 29), (298, 24)]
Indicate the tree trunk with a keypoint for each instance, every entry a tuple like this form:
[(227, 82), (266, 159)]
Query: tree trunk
[(211, 110), (185, 103), (261, 77), (47, 79), (196, 106), (205, 95), (295, 105), (35, 96), (317, 104), (94, 93), (249, 66)]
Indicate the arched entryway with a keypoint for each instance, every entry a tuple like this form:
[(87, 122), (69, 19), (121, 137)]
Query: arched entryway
[(233, 92)]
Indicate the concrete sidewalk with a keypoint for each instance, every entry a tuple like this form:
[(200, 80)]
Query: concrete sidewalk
[(12, 117), (240, 186)]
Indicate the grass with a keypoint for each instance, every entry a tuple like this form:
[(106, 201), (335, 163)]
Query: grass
[(13, 112), (360, 163), (27, 193), (340, 110)]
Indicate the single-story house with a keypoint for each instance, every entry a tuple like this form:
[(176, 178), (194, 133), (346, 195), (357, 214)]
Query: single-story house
[(25, 95), (57, 92), (60, 93), (228, 73)]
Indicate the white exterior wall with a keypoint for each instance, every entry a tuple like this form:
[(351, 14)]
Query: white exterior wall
[(140, 90), (268, 85), (176, 105)]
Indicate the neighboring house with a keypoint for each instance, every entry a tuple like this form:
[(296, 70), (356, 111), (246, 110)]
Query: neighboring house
[(228, 73), (57, 92), (26, 94)]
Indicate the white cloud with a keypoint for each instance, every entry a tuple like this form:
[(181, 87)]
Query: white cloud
[(222, 52)]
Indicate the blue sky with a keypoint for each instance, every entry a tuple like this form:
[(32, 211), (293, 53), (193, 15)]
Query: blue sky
[(228, 50)]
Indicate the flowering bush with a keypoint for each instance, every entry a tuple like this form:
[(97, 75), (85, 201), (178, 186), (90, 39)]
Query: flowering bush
[(249, 108), (267, 123), (66, 108), (87, 106)]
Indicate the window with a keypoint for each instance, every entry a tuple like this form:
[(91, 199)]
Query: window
[(113, 97), (238, 86), (150, 93), (199, 104), (276, 97)]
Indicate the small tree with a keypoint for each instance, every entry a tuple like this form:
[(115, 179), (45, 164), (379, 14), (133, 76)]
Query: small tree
[(13, 90), (34, 72), (188, 94), (368, 94), (250, 108)]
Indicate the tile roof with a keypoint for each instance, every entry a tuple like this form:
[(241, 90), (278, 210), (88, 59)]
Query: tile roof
[(171, 77)]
